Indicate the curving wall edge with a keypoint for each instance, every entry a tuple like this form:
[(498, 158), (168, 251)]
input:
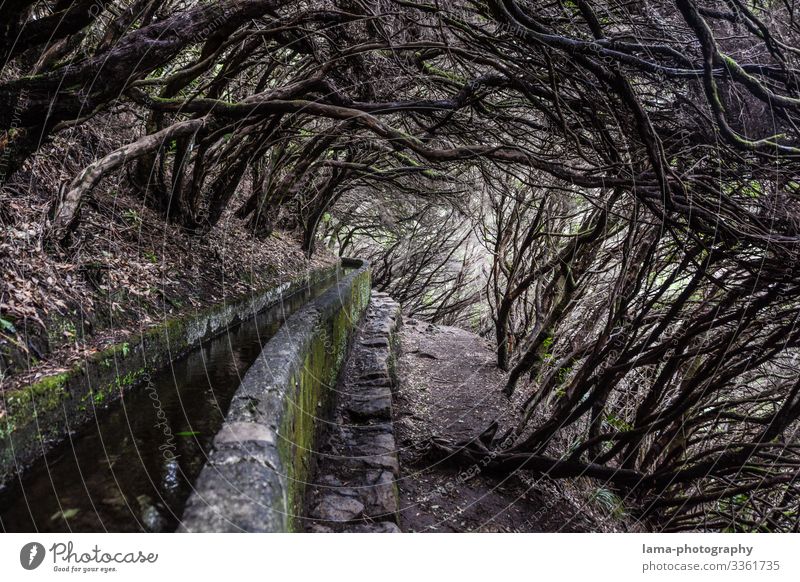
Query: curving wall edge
[(255, 476)]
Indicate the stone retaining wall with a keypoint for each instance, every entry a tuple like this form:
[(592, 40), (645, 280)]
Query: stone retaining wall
[(355, 485), (256, 473), (35, 418)]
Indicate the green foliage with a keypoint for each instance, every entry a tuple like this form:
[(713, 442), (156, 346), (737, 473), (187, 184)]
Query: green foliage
[(64, 514), (609, 502), (132, 217), (129, 379), (6, 325), (544, 351), (616, 422)]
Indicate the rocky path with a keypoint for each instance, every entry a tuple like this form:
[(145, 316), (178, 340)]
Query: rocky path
[(354, 487)]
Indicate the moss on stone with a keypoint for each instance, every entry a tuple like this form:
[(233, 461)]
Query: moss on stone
[(23, 408), (43, 395), (313, 385)]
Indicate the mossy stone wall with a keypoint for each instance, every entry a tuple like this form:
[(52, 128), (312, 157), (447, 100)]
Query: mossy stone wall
[(256, 475)]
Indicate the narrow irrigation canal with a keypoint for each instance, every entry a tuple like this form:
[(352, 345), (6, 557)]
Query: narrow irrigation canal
[(133, 468)]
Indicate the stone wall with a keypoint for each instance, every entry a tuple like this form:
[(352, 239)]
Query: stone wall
[(261, 460), (354, 488), (35, 418)]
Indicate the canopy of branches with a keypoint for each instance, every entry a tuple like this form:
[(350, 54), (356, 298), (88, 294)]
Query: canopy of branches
[(609, 189)]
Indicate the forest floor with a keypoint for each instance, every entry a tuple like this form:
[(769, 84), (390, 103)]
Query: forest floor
[(449, 387), (126, 270)]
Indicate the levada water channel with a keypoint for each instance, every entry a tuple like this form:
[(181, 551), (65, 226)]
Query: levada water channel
[(132, 468)]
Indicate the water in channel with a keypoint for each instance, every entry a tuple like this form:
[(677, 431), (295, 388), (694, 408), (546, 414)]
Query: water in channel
[(132, 468)]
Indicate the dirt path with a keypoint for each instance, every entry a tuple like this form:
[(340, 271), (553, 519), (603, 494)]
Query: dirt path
[(448, 386)]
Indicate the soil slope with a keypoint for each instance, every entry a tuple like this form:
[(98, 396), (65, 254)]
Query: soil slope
[(125, 271)]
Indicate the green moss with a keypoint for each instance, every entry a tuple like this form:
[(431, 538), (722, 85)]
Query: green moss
[(22, 406), (7, 427), (432, 70), (118, 385), (43, 395), (311, 385), (113, 354)]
